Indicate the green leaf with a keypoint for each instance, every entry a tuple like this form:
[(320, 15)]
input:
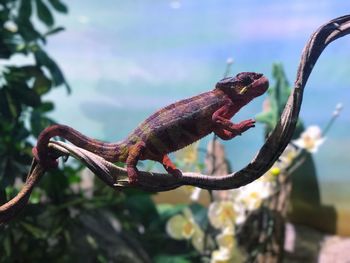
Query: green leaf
[(55, 186), (44, 13), (266, 118), (168, 210), (35, 196), (34, 230), (7, 172), (5, 110), (16, 75), (171, 259), (46, 107), (27, 30), (13, 105), (54, 31), (38, 122), (5, 50), (21, 133), (57, 76), (142, 206), (25, 9), (26, 95), (7, 245), (59, 6), (74, 178), (42, 84), (200, 214), (277, 97)]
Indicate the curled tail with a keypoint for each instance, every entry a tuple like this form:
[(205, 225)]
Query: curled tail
[(108, 151)]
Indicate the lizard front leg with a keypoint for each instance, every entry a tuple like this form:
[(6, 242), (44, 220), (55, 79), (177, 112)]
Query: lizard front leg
[(170, 167), (135, 152), (224, 134), (224, 128)]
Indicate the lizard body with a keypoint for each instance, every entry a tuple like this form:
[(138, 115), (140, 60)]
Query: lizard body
[(171, 128)]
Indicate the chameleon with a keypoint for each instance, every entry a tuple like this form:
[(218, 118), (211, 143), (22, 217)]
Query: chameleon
[(170, 128)]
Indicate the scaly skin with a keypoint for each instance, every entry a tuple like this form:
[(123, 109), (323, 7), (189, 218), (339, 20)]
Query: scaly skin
[(170, 128)]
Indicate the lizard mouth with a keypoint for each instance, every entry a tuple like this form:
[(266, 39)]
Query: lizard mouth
[(261, 84), (253, 83)]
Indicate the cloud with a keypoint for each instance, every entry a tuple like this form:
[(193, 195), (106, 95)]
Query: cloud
[(82, 19), (95, 58), (175, 4), (271, 28)]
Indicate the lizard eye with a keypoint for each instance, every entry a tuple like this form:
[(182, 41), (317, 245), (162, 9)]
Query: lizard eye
[(246, 80)]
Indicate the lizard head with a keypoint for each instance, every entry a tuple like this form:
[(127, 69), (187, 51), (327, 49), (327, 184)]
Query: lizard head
[(245, 86)]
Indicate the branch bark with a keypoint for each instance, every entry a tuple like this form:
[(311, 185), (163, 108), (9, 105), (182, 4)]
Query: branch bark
[(275, 144)]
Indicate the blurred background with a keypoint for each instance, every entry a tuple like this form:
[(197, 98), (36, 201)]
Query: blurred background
[(123, 60), (132, 58)]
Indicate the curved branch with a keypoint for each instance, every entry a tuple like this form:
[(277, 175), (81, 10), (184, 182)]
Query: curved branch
[(275, 144), (15, 205)]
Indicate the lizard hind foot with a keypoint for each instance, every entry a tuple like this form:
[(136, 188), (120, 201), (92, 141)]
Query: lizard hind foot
[(48, 162), (132, 175), (170, 167)]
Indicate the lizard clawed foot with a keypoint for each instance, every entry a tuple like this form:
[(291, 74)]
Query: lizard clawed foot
[(132, 175), (246, 125)]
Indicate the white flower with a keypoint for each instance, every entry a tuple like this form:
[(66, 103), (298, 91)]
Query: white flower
[(288, 156), (198, 239), (185, 227), (222, 214), (310, 139), (181, 226), (11, 26), (228, 251), (229, 61), (222, 255), (338, 109), (226, 239), (195, 194), (252, 195)]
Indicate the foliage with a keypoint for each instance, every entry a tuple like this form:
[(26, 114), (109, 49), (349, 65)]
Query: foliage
[(244, 225), (23, 111), (277, 97), (23, 114), (62, 222), (58, 224)]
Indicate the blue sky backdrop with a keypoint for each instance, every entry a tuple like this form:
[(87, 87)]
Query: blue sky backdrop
[(126, 59)]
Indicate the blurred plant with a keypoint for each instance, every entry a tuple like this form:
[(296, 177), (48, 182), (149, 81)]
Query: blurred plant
[(185, 227), (53, 228), (187, 158), (223, 214), (23, 112), (311, 139), (245, 223), (228, 251), (277, 97)]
